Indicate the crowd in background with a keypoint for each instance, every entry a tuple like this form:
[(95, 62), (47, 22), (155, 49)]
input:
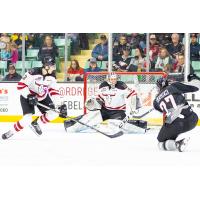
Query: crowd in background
[(166, 51)]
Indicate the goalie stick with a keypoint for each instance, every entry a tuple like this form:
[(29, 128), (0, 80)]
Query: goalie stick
[(119, 133)]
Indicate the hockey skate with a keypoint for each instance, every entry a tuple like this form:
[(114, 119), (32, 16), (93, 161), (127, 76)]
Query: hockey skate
[(35, 127), (7, 135), (182, 144)]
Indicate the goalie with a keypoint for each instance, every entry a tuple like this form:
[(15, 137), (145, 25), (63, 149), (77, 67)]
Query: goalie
[(110, 104)]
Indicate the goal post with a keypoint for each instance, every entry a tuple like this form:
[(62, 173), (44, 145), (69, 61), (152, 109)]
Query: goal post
[(143, 82)]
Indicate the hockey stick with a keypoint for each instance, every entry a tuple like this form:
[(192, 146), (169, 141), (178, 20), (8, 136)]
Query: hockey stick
[(142, 115), (91, 127)]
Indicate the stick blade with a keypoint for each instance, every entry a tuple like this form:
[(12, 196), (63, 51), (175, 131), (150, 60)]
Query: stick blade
[(118, 134)]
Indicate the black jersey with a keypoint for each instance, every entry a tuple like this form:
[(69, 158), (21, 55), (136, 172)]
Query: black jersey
[(172, 96)]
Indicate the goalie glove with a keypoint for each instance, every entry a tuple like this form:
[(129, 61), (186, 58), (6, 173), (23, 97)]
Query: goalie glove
[(63, 111), (93, 104)]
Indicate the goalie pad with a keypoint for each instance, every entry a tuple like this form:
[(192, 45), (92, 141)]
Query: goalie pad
[(127, 127), (91, 118), (93, 104), (133, 104)]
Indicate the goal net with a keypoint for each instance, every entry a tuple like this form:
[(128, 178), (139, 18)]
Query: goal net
[(143, 82)]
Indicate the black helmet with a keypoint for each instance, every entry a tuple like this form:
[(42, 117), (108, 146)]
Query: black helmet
[(48, 61), (162, 82)]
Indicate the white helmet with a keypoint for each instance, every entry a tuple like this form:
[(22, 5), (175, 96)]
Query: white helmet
[(111, 76)]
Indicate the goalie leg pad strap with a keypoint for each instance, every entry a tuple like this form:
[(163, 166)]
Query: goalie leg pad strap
[(139, 123)]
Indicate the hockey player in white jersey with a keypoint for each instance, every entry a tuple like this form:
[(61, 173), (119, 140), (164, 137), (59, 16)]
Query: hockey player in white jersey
[(110, 104), (38, 85)]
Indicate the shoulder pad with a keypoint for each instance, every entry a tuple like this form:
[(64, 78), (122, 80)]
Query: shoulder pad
[(121, 85), (104, 84)]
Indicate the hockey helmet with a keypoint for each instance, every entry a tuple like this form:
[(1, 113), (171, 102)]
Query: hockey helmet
[(162, 82), (49, 66), (112, 78), (48, 61)]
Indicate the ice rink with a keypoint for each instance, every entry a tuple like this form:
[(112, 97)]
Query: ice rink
[(57, 147), (90, 166)]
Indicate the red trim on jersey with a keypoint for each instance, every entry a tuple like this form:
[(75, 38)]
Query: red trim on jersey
[(19, 125), (109, 95), (51, 89), (38, 84), (15, 127), (54, 93), (21, 87), (20, 83), (131, 94), (116, 108)]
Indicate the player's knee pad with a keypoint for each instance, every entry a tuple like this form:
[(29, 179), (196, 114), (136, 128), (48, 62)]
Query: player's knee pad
[(92, 118), (168, 145)]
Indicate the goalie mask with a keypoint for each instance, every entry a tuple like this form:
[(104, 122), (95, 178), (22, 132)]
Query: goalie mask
[(112, 79)]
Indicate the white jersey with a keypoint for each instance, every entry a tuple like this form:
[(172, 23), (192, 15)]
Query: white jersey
[(115, 98), (33, 82)]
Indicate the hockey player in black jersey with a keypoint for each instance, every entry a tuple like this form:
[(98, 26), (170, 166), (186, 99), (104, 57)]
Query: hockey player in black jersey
[(38, 85), (179, 117)]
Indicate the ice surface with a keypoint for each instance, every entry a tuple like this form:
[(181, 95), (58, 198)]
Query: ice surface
[(57, 147)]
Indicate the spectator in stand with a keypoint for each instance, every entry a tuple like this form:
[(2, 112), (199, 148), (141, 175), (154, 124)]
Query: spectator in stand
[(14, 52), (4, 38), (179, 67), (163, 59), (137, 40), (84, 41), (100, 51), (75, 72), (92, 66), (139, 61), (48, 49), (74, 43), (118, 49), (168, 68), (12, 74), (175, 47), (122, 64), (153, 50), (17, 38), (194, 48), (6, 53), (164, 39)]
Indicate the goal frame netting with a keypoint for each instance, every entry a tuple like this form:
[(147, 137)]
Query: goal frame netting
[(142, 74)]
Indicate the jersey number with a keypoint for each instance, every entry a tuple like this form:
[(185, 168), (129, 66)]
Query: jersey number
[(168, 99)]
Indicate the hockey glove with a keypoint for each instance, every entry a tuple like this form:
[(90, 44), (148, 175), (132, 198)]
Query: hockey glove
[(32, 99), (63, 111)]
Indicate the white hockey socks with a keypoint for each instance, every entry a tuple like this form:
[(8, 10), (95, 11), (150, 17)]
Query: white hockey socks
[(19, 125)]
